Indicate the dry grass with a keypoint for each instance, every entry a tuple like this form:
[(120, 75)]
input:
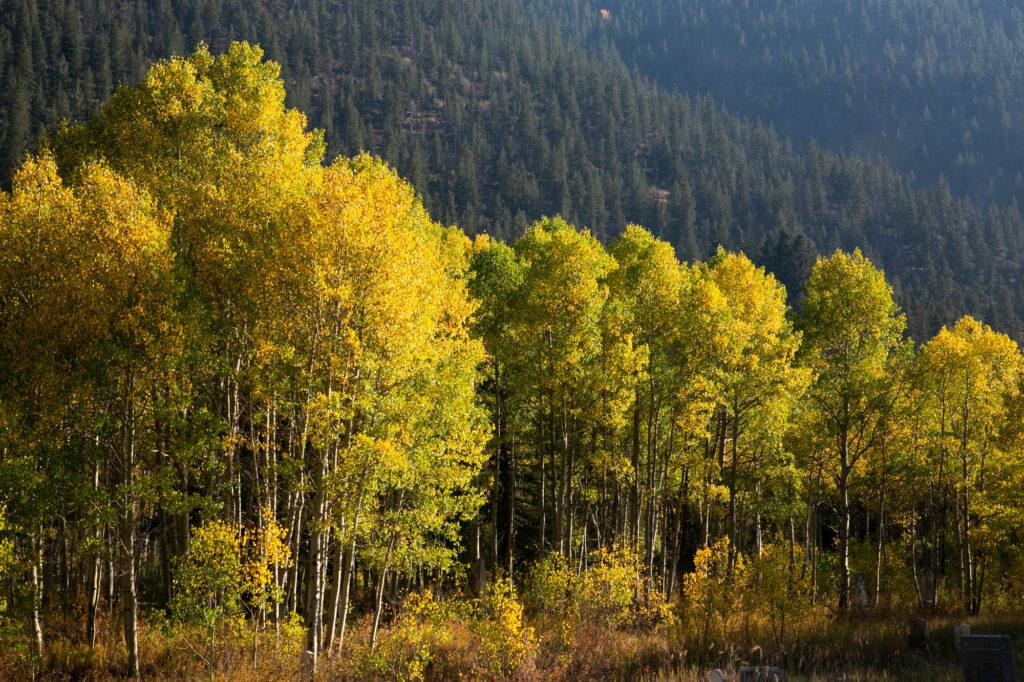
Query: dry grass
[(871, 647)]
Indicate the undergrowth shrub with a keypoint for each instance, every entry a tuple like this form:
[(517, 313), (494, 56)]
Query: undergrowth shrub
[(739, 612), (508, 645), (711, 595), (596, 621), (485, 638), (408, 646), (612, 592), (223, 586), (779, 588)]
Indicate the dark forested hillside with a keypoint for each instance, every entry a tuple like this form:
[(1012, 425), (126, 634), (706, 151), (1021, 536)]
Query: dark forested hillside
[(498, 114), (935, 86)]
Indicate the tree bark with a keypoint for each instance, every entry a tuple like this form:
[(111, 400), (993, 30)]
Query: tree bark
[(844, 522), (37, 594), (880, 547), (126, 533), (314, 574), (350, 563), (95, 577), (378, 607)]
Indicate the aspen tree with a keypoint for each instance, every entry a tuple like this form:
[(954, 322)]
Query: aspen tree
[(851, 328), (111, 324)]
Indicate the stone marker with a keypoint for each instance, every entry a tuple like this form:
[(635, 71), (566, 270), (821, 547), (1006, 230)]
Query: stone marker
[(307, 665), (862, 594), (918, 627), (479, 577), (927, 593), (958, 632), (717, 675), (761, 673), (987, 658)]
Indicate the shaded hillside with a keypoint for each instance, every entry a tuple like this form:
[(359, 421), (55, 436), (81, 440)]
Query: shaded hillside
[(497, 116), (934, 86)]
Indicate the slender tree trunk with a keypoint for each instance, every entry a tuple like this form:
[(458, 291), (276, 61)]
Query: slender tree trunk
[(126, 533), (681, 521), (966, 561), (676, 551), (634, 500), (37, 593), (95, 578), (165, 558), (844, 520), (733, 467), (913, 548), (979, 585), (650, 507), (336, 588), (880, 547), (814, 540), (350, 564), (937, 557), (314, 574), (511, 507), (543, 494), (378, 607), (500, 484)]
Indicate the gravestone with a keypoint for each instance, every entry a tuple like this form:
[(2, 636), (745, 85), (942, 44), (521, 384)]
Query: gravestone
[(958, 633), (761, 673), (307, 665), (927, 593), (987, 658), (479, 577), (717, 675), (919, 638), (862, 593)]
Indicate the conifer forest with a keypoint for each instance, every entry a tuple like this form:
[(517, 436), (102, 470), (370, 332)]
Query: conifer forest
[(510, 340)]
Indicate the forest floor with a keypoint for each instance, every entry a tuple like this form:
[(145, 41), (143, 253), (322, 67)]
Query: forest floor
[(895, 659), (869, 648)]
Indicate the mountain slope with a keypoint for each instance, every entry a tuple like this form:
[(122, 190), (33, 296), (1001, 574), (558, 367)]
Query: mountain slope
[(498, 115), (934, 86)]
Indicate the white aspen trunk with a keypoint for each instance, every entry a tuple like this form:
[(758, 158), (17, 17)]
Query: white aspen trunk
[(126, 534), (95, 575), (336, 587), (350, 565), (37, 594), (314, 575), (378, 608)]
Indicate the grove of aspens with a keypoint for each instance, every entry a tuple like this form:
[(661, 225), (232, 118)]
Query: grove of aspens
[(266, 414)]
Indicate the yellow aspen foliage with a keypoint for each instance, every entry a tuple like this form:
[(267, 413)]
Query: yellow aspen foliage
[(780, 588), (210, 577), (853, 337), (323, 303), (508, 644), (973, 381), (81, 267), (713, 590), (226, 574), (211, 139), (609, 593), (263, 549), (385, 329)]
